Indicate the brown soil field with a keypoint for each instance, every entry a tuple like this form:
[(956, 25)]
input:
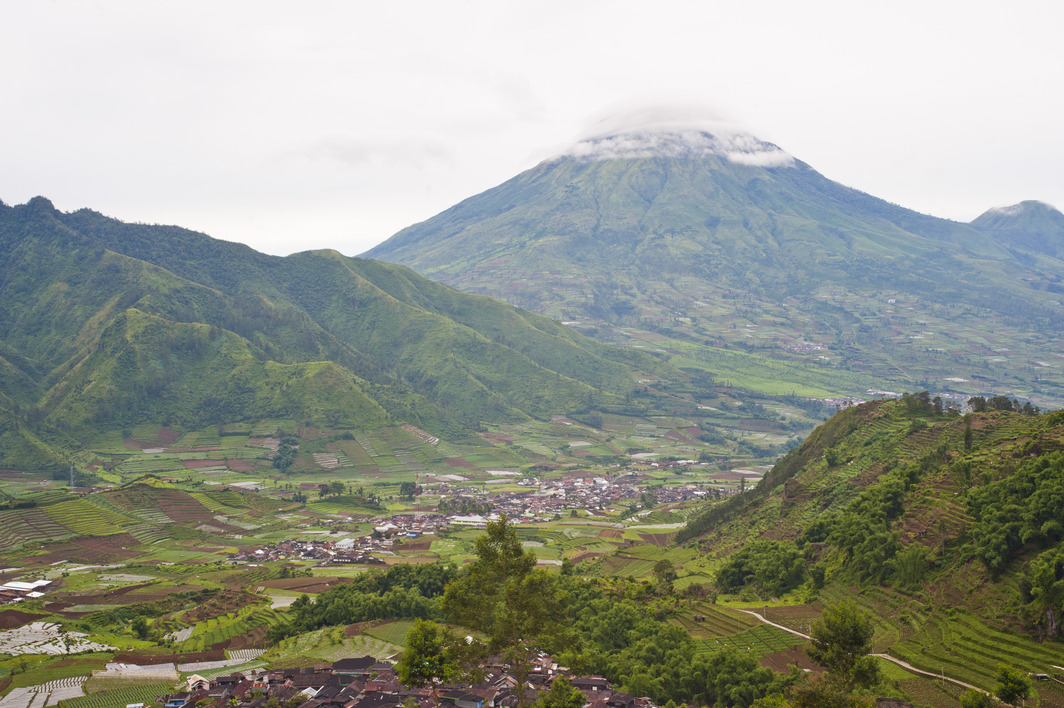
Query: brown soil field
[(100, 550), (611, 533), (414, 544), (9, 619), (498, 437), (181, 507), (223, 603), (658, 539), (587, 555), (353, 630), (459, 462), (255, 639), (311, 586), (240, 465), (147, 659), (167, 436), (1049, 696), (673, 435), (781, 660)]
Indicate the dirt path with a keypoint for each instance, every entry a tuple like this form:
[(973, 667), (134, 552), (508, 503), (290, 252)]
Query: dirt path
[(903, 664)]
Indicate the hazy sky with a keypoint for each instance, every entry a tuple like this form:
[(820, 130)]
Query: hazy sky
[(291, 126)]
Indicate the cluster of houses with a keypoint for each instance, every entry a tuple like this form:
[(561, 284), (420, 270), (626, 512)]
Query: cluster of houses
[(543, 502), (366, 682), (16, 591)]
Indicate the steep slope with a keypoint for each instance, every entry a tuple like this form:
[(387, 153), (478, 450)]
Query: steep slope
[(945, 528), (706, 236), (107, 324)]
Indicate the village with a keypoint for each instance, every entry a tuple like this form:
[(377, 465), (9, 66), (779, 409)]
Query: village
[(582, 497), (366, 682)]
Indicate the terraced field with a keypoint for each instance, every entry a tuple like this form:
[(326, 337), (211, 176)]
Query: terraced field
[(147, 465), (965, 648), (755, 642), (86, 519), (21, 526), (120, 697), (220, 631)]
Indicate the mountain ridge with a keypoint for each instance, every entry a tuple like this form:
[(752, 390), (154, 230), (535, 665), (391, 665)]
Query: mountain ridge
[(106, 323)]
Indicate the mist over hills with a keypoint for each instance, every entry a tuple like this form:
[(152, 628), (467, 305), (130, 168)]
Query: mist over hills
[(107, 324), (729, 242)]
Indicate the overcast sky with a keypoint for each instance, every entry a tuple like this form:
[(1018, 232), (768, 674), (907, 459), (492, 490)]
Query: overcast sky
[(290, 126)]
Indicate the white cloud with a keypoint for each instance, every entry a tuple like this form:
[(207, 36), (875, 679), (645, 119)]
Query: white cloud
[(335, 124), (666, 134)]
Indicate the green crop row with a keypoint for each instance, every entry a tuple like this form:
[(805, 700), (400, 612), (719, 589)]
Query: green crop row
[(119, 698)]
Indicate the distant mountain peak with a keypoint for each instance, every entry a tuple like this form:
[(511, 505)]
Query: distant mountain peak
[(1033, 225), (643, 143), (1027, 206)]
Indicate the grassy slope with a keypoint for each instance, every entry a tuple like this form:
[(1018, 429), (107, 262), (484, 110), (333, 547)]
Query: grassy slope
[(110, 323), (958, 620)]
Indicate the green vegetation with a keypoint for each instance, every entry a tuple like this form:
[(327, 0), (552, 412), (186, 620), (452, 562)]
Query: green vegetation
[(776, 280), (402, 591), (432, 655), (119, 697), (504, 596), (940, 529), (117, 325)]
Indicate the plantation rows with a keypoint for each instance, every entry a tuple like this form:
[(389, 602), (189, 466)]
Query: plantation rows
[(717, 622), (534, 534), (22, 526), (971, 651), (86, 519), (873, 601), (207, 501), (47, 496), (145, 465), (222, 629), (625, 567), (148, 533), (361, 645), (200, 438), (119, 698), (756, 642)]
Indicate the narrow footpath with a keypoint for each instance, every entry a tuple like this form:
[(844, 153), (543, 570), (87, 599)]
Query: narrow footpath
[(903, 664)]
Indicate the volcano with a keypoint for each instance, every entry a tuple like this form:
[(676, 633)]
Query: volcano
[(722, 240)]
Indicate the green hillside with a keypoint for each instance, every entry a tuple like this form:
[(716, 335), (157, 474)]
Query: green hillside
[(679, 242), (107, 325), (945, 528)]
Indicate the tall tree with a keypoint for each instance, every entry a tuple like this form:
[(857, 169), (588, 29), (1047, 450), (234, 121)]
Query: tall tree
[(430, 656), (504, 596), (1013, 685), (561, 695), (841, 643)]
